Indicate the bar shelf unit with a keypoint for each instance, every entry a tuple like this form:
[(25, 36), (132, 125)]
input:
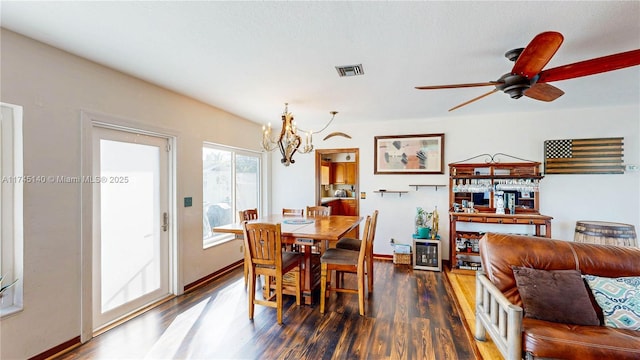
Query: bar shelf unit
[(477, 183)]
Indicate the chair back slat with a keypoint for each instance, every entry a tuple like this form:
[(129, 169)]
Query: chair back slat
[(318, 210), (372, 232), (364, 247)]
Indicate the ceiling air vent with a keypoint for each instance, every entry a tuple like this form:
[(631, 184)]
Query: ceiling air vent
[(350, 70)]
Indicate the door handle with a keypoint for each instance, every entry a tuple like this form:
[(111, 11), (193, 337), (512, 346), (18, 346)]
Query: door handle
[(165, 221)]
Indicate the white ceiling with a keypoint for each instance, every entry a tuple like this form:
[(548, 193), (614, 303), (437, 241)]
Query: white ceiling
[(250, 57)]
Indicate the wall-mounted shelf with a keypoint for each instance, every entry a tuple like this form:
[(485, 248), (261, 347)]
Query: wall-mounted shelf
[(425, 185), (382, 192)]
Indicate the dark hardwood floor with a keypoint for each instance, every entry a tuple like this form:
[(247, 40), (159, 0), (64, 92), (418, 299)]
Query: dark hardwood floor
[(409, 316)]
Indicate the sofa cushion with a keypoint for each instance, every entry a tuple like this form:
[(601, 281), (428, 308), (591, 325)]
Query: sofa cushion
[(619, 299), (548, 340), (555, 295)]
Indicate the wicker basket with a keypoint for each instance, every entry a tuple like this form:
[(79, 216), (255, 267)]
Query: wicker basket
[(402, 259)]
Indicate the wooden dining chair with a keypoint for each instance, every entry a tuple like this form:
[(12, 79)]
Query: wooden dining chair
[(264, 246), (318, 210), (293, 212), (246, 215), (354, 244), (344, 261)]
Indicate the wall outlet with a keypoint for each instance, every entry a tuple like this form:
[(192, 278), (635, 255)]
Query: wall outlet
[(241, 248), (632, 167)]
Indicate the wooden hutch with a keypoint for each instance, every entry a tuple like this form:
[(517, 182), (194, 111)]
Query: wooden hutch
[(477, 190)]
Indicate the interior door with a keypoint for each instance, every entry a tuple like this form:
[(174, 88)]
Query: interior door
[(131, 221), (352, 174)]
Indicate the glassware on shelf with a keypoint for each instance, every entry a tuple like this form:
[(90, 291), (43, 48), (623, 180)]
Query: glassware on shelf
[(488, 185), (520, 185), (473, 186)]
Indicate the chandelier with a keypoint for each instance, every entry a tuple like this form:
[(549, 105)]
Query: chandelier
[(289, 141)]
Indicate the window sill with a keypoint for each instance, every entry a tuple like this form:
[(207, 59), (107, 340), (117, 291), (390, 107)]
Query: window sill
[(209, 243), (10, 310)]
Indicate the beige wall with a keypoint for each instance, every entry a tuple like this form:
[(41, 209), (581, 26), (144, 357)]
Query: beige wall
[(54, 87)]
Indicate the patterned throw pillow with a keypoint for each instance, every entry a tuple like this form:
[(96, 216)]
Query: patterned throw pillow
[(619, 299)]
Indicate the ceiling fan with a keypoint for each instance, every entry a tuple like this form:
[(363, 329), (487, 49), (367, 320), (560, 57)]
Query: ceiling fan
[(527, 77)]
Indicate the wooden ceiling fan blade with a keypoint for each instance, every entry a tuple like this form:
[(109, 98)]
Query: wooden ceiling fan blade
[(474, 99), (455, 86), (592, 66), (537, 54), (543, 92)]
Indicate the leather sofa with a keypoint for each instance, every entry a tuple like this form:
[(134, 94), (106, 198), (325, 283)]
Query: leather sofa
[(499, 307)]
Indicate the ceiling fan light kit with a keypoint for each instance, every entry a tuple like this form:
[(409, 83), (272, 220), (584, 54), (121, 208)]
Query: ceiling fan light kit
[(513, 55), (528, 77)]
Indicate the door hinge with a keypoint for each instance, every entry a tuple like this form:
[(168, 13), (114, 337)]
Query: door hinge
[(168, 147), (165, 221)]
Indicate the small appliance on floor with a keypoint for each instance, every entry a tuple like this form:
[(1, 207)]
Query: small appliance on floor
[(427, 254)]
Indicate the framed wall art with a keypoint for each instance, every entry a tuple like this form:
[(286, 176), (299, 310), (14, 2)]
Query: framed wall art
[(409, 154)]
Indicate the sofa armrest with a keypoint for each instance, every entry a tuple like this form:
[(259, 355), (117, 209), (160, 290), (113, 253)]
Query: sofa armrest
[(496, 315)]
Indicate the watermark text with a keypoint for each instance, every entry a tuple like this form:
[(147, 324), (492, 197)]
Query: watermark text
[(62, 179)]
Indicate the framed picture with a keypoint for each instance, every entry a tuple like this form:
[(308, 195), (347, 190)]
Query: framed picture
[(409, 154)]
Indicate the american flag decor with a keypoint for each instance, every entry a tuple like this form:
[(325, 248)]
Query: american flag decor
[(584, 156)]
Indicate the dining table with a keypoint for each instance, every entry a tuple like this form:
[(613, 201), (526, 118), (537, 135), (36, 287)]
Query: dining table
[(305, 232)]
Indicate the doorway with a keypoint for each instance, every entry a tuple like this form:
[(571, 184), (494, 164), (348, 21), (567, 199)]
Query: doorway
[(131, 242), (337, 173)]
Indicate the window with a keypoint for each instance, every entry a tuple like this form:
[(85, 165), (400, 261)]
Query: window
[(231, 182), (11, 206)]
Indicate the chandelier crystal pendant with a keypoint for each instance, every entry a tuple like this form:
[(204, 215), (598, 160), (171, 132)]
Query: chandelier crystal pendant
[(289, 141)]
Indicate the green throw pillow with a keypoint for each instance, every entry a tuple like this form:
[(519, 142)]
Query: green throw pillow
[(555, 295), (619, 299)]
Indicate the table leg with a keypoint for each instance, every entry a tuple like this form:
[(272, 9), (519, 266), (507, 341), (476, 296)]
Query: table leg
[(307, 282), (547, 229)]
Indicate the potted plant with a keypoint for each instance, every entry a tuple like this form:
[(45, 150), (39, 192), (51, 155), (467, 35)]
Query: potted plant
[(423, 218)]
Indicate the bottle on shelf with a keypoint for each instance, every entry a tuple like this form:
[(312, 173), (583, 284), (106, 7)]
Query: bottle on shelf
[(434, 227)]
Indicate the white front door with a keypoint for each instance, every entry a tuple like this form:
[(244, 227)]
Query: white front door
[(130, 222)]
